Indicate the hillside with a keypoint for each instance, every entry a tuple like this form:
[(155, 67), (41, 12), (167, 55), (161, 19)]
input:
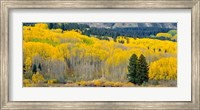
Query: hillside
[(103, 30), (132, 25), (70, 56)]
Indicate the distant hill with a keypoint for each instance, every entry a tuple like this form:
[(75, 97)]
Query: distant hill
[(132, 25)]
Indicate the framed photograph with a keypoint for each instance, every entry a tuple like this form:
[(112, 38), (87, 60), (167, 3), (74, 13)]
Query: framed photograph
[(89, 54)]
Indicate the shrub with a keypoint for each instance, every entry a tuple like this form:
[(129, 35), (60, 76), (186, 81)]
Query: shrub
[(108, 84), (97, 83), (82, 83), (129, 84), (37, 78), (27, 82), (118, 84), (89, 83), (51, 81)]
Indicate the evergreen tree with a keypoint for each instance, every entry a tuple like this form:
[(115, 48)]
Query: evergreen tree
[(143, 69), (133, 69), (138, 69), (34, 70), (40, 67)]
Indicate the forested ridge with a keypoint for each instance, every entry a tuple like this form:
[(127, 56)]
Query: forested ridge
[(71, 57), (104, 32)]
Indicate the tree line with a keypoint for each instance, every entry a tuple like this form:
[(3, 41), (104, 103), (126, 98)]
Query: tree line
[(104, 33)]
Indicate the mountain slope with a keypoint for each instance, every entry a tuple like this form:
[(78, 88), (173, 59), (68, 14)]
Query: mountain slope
[(129, 25)]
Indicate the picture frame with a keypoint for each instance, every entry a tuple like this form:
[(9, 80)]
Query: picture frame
[(7, 5)]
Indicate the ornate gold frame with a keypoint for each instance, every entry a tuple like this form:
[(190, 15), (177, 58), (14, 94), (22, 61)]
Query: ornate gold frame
[(6, 5)]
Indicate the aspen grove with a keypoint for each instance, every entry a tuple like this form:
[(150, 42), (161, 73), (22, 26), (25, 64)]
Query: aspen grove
[(58, 56)]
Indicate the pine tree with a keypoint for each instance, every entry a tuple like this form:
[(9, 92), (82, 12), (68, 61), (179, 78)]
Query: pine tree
[(133, 69), (138, 69), (143, 69)]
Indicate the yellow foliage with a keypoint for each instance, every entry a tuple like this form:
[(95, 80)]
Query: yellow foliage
[(163, 69), (129, 84), (164, 35), (27, 63), (51, 81), (97, 83), (41, 25), (118, 84), (37, 78), (83, 83), (174, 37), (46, 51), (27, 82), (108, 84)]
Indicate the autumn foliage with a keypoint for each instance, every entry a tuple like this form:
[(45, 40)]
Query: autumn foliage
[(71, 56)]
